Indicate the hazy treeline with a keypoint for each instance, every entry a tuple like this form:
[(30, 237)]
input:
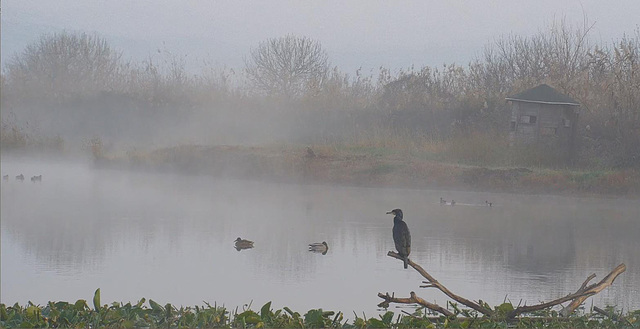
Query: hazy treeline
[(77, 87)]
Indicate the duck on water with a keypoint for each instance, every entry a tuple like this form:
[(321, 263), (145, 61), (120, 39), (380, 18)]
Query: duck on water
[(321, 247), (243, 244)]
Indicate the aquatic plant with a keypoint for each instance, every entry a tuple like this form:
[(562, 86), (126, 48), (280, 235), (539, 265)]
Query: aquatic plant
[(151, 314)]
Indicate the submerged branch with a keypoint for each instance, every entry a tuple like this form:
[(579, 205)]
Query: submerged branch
[(611, 315)]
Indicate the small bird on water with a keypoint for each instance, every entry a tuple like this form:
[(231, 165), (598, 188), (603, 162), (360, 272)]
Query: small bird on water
[(243, 244), (322, 247), (401, 236)]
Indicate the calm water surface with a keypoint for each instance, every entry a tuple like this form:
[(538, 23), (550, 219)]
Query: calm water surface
[(170, 238)]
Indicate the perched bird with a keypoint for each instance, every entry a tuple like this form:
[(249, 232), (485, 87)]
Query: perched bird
[(243, 244), (443, 201), (20, 177), (36, 178), (319, 247), (5, 177), (453, 202), (490, 204), (322, 247), (401, 236)]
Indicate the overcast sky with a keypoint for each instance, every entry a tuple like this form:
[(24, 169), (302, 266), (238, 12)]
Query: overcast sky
[(366, 33)]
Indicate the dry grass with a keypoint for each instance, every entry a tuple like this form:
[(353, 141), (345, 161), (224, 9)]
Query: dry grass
[(375, 163), (379, 157), (13, 137)]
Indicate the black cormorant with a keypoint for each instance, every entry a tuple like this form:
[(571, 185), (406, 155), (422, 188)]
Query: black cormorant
[(401, 236), (243, 244), (322, 247)]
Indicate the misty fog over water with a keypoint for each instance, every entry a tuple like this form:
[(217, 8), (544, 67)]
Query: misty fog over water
[(170, 238)]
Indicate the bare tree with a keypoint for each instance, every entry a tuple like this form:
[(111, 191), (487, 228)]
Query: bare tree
[(287, 66), (64, 64)]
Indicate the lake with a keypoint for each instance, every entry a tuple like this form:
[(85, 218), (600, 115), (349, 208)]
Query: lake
[(170, 238)]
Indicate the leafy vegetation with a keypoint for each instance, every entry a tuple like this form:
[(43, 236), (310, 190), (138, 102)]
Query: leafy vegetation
[(151, 314)]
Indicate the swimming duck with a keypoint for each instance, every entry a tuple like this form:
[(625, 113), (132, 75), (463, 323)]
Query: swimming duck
[(36, 178), (401, 236), (490, 204), (5, 177), (243, 244), (443, 201), (453, 202), (20, 177), (322, 247)]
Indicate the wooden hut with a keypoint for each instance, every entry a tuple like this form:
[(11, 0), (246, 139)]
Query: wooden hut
[(544, 116)]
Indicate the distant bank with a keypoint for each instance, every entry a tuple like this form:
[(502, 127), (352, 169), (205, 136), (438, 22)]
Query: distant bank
[(372, 168)]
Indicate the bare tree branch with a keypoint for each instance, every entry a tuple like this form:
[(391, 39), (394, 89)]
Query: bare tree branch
[(432, 282), (593, 289), (414, 299), (585, 291), (577, 298)]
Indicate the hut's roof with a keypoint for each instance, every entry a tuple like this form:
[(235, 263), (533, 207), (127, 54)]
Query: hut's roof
[(543, 94)]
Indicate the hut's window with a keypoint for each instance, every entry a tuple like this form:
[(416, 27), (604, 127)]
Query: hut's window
[(566, 122), (513, 126), (530, 119), (548, 131)]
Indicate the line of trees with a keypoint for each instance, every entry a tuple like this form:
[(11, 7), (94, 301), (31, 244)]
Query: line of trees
[(288, 90)]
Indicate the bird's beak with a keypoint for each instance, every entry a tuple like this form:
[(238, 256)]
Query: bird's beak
[(389, 212)]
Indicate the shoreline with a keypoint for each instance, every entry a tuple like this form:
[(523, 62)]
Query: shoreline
[(328, 165), (322, 165)]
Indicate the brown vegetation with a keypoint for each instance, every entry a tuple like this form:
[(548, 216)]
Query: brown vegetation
[(78, 87), (373, 167)]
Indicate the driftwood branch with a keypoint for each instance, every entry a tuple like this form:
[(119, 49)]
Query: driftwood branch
[(576, 298), (414, 299), (432, 282), (585, 291), (593, 289), (576, 302)]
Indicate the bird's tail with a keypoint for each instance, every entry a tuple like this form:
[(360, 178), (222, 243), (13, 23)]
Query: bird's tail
[(406, 262)]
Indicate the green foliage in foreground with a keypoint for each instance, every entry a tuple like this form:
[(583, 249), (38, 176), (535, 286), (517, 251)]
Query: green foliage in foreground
[(118, 315)]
